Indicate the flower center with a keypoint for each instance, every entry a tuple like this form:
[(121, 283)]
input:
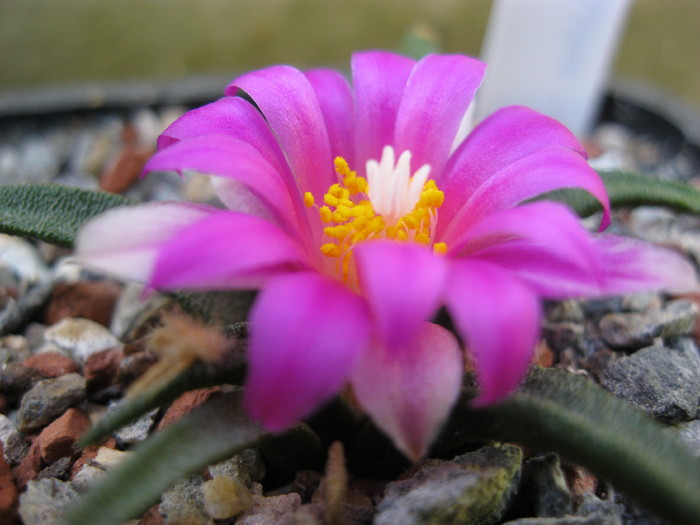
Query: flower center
[(389, 204)]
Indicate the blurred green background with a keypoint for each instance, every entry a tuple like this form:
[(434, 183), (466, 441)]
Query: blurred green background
[(53, 42)]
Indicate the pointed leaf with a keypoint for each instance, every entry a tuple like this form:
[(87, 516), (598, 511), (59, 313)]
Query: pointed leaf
[(210, 433), (557, 411), (52, 212), (629, 190)]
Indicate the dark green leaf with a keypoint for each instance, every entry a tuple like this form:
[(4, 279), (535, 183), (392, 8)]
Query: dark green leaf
[(632, 189), (52, 212), (557, 411), (210, 433)]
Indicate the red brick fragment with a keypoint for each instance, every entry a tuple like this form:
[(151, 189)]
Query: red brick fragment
[(101, 368), (153, 517), (8, 492), (90, 453), (183, 404), (58, 439), (29, 468), (51, 364), (92, 300)]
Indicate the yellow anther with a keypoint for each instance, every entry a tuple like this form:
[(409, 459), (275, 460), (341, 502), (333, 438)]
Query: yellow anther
[(440, 247), (351, 219), (341, 166), (326, 214), (330, 250), (422, 238)]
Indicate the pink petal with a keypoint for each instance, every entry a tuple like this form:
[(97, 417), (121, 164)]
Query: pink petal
[(402, 283), (499, 140), (126, 241), (225, 251), (228, 157), (237, 197), (437, 95), (544, 170), (231, 116), (335, 99), (499, 318), (288, 102), (409, 392), (543, 243), (631, 265), (306, 333), (378, 80)]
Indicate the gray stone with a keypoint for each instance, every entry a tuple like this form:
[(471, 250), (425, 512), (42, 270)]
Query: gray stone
[(95, 469), (564, 335), (136, 431), (184, 503), (543, 480), (629, 330), (677, 318), (593, 505), (641, 302), (568, 310), (592, 519), (14, 446), (271, 510), (662, 381), (688, 433), (22, 310), (13, 348), (474, 488), (23, 258), (38, 160), (48, 399), (245, 467), (45, 500), (81, 338)]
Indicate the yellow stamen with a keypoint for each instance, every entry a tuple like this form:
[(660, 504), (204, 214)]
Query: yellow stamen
[(308, 199), (351, 218)]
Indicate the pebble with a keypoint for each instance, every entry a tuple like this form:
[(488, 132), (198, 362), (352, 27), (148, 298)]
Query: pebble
[(27, 469), (101, 368), (637, 330), (184, 503), (8, 492), (58, 439), (49, 399), (23, 259), (95, 469), (271, 510), (88, 300), (545, 483), (14, 447), (662, 381), (136, 431), (81, 338), (473, 488), (225, 498), (51, 364), (45, 500), (689, 433), (13, 348), (183, 404), (246, 467)]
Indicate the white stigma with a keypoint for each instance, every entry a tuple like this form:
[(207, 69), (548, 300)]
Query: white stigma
[(392, 191)]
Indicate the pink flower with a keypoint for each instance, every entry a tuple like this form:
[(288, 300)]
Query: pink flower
[(355, 256)]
